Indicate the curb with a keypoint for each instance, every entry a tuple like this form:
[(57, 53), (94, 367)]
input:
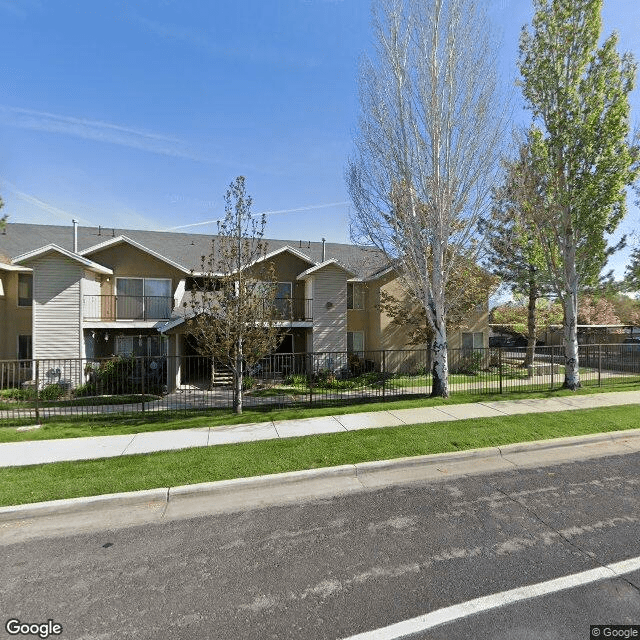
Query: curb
[(163, 504)]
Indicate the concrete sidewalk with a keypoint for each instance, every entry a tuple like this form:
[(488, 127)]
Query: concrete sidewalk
[(45, 451)]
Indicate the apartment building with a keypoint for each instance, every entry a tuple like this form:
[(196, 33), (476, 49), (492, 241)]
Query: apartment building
[(95, 292)]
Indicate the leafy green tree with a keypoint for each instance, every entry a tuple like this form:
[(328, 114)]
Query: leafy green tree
[(233, 315), (514, 252), (513, 317), (3, 219), (579, 95), (632, 273)]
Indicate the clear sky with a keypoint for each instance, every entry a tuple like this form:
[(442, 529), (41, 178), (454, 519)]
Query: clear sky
[(140, 113)]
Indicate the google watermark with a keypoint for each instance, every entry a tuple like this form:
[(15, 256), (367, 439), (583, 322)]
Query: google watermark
[(15, 627), (598, 631)]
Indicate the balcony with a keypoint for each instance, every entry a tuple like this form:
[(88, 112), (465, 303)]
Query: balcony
[(112, 308), (294, 309)]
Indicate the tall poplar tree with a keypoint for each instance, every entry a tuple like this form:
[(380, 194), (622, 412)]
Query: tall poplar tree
[(427, 149), (579, 95)]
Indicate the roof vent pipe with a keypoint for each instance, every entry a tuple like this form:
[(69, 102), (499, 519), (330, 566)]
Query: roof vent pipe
[(75, 236), (323, 250)]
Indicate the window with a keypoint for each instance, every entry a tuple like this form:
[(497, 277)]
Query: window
[(355, 342), (25, 289), (282, 301), (151, 346), (473, 340), (143, 298), (24, 348), (355, 295)]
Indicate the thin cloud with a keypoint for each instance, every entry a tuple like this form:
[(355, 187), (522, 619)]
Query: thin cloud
[(265, 213), (206, 42), (100, 131), (41, 204)]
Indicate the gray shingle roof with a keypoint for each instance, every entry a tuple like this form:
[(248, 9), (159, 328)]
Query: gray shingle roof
[(185, 249)]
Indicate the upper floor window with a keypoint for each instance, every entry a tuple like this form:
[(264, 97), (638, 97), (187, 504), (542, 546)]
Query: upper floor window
[(355, 295), (25, 289), (143, 298)]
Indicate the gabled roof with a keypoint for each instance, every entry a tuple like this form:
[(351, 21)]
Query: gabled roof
[(323, 265), (14, 267), (52, 248), (182, 249), (133, 243)]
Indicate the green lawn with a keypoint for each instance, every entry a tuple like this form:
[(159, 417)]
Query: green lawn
[(118, 424), (167, 469)]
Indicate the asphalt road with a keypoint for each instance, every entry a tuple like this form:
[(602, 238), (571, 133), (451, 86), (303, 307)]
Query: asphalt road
[(339, 567)]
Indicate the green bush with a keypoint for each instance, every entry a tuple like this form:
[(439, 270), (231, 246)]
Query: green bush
[(17, 394), (469, 365), (52, 392), (88, 389), (248, 383), (296, 379)]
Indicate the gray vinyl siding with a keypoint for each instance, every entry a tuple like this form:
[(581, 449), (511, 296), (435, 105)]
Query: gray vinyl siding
[(56, 307), (329, 325)]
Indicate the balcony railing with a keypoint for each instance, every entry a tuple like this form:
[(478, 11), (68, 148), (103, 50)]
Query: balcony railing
[(109, 308), (294, 309)]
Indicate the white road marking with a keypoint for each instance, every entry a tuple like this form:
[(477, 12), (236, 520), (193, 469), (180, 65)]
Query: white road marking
[(471, 607)]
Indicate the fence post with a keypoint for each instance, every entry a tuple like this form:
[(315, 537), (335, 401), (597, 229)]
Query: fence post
[(310, 378), (37, 377), (599, 365), (500, 367), (144, 375), (384, 376), (552, 365)]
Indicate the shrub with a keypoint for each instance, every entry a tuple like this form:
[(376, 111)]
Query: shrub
[(248, 383), (17, 394), (469, 364), (88, 389), (296, 379), (52, 392)]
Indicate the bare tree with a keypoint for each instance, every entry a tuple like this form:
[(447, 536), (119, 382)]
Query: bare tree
[(234, 318), (427, 148)]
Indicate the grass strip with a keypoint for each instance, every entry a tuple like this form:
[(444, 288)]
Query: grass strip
[(118, 424), (38, 483)]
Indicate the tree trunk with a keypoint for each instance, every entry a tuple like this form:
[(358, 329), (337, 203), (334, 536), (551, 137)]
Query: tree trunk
[(440, 371), (531, 320), (237, 381), (571, 370), (570, 304)]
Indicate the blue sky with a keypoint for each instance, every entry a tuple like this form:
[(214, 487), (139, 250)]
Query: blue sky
[(139, 114)]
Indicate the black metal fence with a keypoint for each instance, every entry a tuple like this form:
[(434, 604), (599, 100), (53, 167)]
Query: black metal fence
[(35, 390)]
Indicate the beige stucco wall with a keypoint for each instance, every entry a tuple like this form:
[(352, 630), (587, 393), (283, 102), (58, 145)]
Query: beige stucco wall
[(382, 333), (14, 320), (127, 261), (287, 268)]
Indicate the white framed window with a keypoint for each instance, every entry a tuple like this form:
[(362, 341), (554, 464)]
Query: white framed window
[(355, 342), (355, 295), (25, 289)]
